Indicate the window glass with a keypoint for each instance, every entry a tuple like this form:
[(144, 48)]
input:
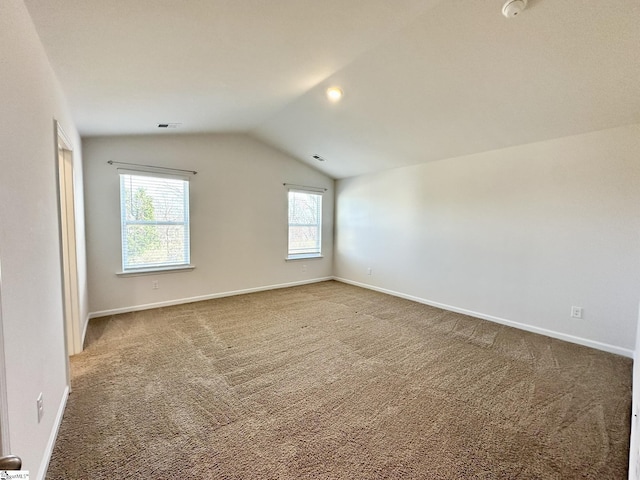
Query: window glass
[(305, 223), (155, 221)]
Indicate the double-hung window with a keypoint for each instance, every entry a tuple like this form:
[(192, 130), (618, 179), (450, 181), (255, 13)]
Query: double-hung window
[(154, 210), (305, 224)]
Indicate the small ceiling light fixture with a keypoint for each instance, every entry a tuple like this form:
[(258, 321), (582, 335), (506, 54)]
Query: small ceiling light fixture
[(334, 93), (513, 8)]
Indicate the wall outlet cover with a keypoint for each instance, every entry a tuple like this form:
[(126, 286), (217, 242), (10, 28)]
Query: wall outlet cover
[(576, 312)]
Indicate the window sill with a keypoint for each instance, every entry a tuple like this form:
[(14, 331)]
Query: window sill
[(155, 270), (304, 256)]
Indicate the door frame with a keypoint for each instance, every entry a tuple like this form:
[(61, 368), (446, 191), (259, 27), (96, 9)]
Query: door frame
[(68, 251)]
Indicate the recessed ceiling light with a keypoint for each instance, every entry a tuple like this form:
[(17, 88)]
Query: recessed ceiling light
[(334, 93)]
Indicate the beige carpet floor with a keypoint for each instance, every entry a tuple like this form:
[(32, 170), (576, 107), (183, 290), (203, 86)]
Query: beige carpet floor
[(330, 381)]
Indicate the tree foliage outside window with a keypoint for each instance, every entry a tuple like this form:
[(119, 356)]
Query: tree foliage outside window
[(155, 221), (305, 223), (142, 239)]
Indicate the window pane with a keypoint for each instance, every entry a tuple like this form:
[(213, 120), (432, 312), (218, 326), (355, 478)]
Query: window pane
[(155, 245), (303, 240), (304, 208), (155, 221), (305, 220)]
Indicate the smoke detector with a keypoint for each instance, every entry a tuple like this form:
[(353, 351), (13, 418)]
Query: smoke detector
[(512, 8)]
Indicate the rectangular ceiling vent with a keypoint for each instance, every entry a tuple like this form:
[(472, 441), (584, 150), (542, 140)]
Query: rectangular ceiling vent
[(168, 125)]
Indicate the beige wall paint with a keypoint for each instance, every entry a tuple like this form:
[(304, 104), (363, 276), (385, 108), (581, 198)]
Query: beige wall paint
[(519, 234), (238, 217), (29, 242)]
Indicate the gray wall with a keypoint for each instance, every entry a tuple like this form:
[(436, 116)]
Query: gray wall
[(515, 235), (238, 218), (32, 314)]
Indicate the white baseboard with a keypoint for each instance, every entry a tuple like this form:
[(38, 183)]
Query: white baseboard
[(503, 321), (180, 301), (44, 466)]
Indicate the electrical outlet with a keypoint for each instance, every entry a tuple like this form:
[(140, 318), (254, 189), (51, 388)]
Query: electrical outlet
[(40, 405), (576, 312), (304, 268), (369, 271), (154, 284)]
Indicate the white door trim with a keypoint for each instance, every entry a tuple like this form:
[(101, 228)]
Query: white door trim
[(68, 243)]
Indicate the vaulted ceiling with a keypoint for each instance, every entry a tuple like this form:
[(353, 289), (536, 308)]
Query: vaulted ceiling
[(423, 80)]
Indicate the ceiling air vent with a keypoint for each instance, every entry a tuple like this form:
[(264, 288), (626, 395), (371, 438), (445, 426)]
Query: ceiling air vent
[(319, 158), (168, 125)]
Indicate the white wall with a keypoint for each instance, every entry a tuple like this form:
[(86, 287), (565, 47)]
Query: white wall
[(29, 238), (238, 217), (519, 234)]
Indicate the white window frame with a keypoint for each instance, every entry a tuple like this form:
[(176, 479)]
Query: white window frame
[(161, 267), (314, 254)]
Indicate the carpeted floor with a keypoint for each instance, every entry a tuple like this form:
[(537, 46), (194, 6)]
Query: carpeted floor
[(330, 381)]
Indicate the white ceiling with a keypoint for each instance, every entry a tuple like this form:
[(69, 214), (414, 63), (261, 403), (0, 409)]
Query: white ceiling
[(423, 79)]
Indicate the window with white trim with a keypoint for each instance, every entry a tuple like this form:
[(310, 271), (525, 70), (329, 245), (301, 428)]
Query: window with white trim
[(305, 224), (154, 211)]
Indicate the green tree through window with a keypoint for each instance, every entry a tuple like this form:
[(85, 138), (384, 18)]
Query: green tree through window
[(142, 240)]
